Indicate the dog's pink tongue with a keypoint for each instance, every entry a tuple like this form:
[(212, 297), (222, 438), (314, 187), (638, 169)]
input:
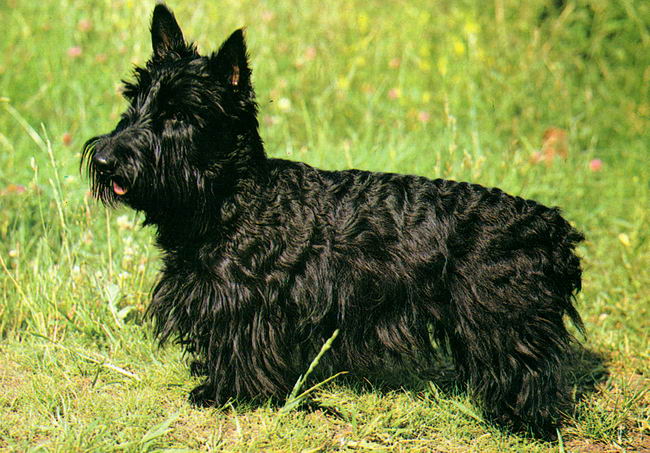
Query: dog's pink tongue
[(118, 189)]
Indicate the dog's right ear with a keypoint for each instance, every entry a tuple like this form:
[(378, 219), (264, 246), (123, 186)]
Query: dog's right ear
[(230, 63), (166, 35)]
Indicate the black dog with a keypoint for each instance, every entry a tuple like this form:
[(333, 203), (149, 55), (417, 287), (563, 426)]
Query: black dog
[(265, 258)]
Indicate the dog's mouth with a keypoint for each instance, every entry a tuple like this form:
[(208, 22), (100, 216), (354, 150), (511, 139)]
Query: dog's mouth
[(118, 189)]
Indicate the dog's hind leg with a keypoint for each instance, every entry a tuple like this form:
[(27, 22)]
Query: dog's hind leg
[(511, 360), (506, 332)]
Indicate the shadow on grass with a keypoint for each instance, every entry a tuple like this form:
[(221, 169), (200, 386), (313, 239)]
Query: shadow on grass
[(584, 370)]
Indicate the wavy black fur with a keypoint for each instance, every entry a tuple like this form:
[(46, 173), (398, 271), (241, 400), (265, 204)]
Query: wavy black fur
[(264, 258)]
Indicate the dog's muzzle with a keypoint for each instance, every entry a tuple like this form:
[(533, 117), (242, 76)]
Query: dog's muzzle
[(105, 166)]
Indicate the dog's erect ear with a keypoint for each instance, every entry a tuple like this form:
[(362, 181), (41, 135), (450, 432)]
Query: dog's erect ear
[(166, 35), (230, 63)]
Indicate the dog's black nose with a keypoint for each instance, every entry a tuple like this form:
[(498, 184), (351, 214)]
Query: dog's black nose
[(102, 162)]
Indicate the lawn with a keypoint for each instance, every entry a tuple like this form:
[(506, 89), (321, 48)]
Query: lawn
[(549, 100)]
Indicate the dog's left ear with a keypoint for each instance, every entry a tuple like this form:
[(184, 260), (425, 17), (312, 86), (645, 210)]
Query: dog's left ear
[(230, 63)]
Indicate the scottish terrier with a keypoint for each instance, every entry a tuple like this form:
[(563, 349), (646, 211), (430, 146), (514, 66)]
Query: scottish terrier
[(263, 259)]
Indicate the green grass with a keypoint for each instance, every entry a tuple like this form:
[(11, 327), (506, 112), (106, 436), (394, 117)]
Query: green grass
[(441, 89)]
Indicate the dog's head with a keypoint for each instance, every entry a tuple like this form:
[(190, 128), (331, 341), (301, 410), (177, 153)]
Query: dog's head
[(190, 124)]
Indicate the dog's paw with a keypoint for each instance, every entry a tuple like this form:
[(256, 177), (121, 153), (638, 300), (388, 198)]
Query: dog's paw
[(203, 396)]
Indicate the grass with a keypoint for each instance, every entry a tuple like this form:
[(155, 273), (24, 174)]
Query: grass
[(441, 89)]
